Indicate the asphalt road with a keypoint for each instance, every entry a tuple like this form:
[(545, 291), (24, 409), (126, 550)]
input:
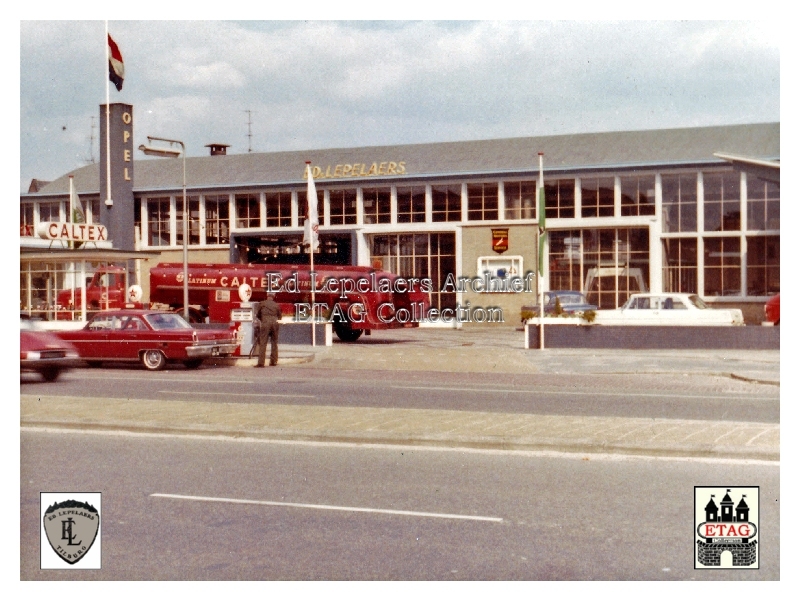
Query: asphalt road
[(328, 512), (687, 396)]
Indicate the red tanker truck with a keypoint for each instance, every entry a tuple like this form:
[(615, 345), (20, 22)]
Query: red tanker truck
[(355, 299), (104, 291)]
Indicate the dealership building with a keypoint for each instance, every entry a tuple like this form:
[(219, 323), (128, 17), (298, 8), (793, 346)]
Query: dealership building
[(682, 210)]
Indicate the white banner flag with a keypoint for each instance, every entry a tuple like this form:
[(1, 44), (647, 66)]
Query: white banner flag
[(311, 230)]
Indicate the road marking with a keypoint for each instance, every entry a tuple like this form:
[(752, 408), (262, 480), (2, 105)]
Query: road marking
[(228, 394), (383, 511), (559, 454), (543, 391)]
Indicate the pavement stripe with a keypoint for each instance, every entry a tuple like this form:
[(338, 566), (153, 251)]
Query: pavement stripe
[(229, 394), (409, 513), (544, 390)]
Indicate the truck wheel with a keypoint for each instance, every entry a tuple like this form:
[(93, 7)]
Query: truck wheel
[(345, 332), (153, 360), (193, 363), (50, 374), (93, 363)]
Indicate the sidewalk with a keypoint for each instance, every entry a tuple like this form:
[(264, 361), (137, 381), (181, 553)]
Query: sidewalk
[(478, 350), (501, 349)]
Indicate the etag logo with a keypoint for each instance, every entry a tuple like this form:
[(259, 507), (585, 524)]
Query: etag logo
[(726, 527)]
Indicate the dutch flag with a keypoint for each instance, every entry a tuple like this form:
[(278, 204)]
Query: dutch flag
[(116, 68)]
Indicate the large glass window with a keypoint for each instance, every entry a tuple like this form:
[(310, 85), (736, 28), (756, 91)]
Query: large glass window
[(606, 264), (194, 220), (343, 205), (378, 205), (411, 204), (638, 195), (722, 202), (763, 204), (446, 202), (763, 265), (679, 202), (217, 220), (520, 199), (50, 212), (421, 255), (248, 211), (559, 199), (279, 209), (482, 201), (723, 266), (597, 197), (158, 214), (680, 265)]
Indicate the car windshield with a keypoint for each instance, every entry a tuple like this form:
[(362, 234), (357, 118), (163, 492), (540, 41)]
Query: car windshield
[(167, 321), (698, 301)]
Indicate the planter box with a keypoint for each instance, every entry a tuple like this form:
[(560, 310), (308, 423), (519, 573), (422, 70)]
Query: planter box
[(561, 333)]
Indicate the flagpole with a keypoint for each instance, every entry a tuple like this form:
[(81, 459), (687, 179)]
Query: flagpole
[(71, 219), (311, 189), (109, 201), (542, 230)]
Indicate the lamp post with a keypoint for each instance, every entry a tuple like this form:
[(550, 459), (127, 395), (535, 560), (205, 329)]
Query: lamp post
[(175, 153)]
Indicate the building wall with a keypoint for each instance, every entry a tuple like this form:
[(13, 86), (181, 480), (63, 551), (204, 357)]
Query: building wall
[(476, 242)]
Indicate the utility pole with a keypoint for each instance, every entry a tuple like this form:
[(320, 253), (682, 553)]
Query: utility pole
[(91, 159), (249, 130)]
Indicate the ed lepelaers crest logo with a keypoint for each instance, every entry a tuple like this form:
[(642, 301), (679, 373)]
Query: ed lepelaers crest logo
[(726, 527), (71, 528)]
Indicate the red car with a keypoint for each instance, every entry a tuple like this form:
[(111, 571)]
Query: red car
[(772, 309), (44, 353), (152, 337)]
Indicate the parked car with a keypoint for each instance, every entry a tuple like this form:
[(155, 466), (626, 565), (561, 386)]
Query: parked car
[(772, 309), (570, 302), (43, 352), (668, 309), (152, 337)]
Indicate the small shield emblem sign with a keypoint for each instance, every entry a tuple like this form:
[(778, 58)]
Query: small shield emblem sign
[(71, 528), (499, 240)]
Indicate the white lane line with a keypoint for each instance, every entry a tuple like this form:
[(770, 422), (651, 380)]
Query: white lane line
[(543, 391), (408, 513), (235, 394)]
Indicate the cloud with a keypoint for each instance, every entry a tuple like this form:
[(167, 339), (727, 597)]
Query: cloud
[(314, 84)]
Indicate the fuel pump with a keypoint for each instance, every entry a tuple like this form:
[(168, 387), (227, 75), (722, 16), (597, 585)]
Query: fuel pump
[(243, 316)]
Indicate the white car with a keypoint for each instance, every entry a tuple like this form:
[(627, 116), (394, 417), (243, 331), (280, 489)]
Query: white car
[(668, 309)]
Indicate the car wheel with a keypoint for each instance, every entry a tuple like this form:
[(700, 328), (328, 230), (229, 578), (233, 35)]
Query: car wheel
[(153, 360), (194, 363), (50, 374)]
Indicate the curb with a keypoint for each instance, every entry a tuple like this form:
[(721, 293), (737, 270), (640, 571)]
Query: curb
[(452, 442)]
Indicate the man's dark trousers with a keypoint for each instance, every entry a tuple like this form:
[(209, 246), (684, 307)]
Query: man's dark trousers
[(268, 332), (268, 313)]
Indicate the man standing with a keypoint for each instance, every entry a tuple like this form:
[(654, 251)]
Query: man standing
[(268, 313)]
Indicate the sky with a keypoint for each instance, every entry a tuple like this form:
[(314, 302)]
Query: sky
[(267, 86)]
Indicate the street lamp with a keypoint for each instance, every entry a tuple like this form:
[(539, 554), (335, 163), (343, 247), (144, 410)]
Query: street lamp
[(175, 153)]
